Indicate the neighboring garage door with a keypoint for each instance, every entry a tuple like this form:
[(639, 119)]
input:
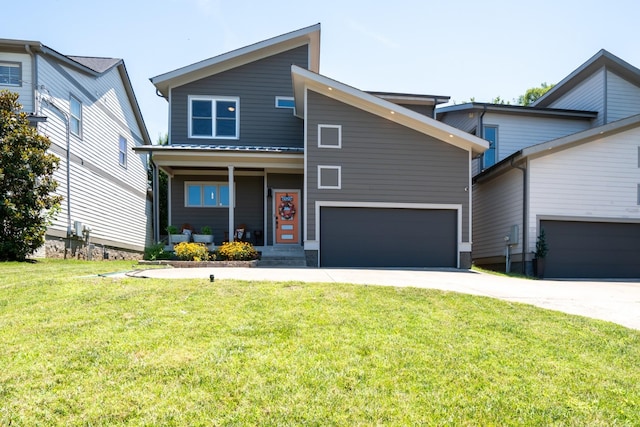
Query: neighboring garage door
[(385, 237), (592, 249)]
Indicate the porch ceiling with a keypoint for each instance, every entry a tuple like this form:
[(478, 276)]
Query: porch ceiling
[(168, 157)]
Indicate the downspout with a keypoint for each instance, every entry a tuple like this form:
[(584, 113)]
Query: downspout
[(68, 137), (524, 214), (34, 76)]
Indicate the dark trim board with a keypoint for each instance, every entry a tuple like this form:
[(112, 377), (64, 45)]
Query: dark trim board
[(583, 249), (388, 237)]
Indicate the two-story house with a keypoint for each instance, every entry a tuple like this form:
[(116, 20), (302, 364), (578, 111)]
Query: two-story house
[(259, 137), (569, 165), (87, 108)]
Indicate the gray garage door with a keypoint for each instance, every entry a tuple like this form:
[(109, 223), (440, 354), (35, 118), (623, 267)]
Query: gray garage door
[(382, 237), (592, 249)]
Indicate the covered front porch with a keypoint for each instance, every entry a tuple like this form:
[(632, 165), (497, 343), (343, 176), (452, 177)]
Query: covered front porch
[(259, 190)]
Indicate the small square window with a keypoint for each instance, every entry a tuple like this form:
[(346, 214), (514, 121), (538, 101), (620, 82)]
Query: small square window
[(122, 152), (10, 74), (329, 136), (329, 177), (75, 120)]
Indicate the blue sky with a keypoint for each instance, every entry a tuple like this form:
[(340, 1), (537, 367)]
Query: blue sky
[(460, 48)]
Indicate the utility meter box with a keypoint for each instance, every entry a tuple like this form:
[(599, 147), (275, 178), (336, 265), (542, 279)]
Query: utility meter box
[(512, 237)]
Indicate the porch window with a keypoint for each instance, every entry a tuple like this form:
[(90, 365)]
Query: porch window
[(213, 117), (206, 194), (75, 120)]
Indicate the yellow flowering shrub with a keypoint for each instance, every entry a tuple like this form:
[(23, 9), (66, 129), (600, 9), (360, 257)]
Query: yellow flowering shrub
[(236, 251), (187, 251)]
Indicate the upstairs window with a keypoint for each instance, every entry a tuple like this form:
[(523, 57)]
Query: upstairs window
[(122, 152), (211, 117), (491, 135), (75, 120), (285, 102), (10, 74)]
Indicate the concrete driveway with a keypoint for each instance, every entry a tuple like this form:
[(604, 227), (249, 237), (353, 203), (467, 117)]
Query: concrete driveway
[(615, 301)]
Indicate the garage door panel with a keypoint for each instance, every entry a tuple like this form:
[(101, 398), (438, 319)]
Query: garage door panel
[(382, 237), (580, 249)]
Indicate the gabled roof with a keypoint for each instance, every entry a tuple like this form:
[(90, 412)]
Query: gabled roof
[(559, 144), (517, 110), (99, 65), (303, 79), (93, 66), (306, 36), (601, 59)]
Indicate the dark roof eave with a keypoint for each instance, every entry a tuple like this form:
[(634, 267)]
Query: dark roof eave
[(518, 109), (209, 149)]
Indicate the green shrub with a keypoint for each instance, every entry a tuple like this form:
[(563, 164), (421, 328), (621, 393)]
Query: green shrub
[(187, 251), (172, 229), (154, 252), (236, 251), (205, 230)]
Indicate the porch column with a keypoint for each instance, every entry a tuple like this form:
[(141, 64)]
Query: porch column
[(232, 203), (156, 203)]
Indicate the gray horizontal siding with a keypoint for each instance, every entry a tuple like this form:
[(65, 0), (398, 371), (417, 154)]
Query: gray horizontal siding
[(588, 95), (249, 205), (382, 161), (256, 84), (463, 120)]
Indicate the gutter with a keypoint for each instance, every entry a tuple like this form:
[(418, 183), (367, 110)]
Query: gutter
[(524, 212), (34, 76)]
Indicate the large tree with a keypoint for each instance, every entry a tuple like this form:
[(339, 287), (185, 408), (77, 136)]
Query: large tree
[(27, 202)]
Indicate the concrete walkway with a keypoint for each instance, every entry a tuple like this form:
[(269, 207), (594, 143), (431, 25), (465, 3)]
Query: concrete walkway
[(615, 301)]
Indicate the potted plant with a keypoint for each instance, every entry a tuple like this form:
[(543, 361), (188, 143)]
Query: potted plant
[(175, 236), (539, 255), (205, 236)]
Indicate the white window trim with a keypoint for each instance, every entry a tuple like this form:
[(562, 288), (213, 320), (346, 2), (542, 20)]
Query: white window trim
[(339, 127), (72, 116), (120, 151), (329, 187), (17, 65), (213, 99), (284, 98), (202, 184)]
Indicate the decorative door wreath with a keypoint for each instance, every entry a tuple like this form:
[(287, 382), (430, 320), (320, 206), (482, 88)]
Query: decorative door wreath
[(287, 209)]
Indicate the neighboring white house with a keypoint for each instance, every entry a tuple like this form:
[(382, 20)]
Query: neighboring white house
[(87, 108), (568, 165)]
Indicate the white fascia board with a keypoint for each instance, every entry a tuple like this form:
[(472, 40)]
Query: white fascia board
[(339, 91), (306, 36)]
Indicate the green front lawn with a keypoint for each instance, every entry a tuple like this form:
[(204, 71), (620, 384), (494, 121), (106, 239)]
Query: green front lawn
[(79, 350)]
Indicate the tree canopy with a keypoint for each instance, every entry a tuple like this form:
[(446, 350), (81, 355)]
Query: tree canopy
[(532, 94), (27, 202)]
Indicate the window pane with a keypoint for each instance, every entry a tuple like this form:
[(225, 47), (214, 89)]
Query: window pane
[(193, 195), (226, 109), (285, 103), (202, 127), (491, 135), (224, 195), (75, 107), (74, 126), (225, 127), (123, 151), (210, 195), (201, 108)]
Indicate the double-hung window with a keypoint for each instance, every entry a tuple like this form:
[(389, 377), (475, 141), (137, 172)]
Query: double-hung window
[(122, 152), (75, 119), (206, 194), (214, 117), (10, 74)]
